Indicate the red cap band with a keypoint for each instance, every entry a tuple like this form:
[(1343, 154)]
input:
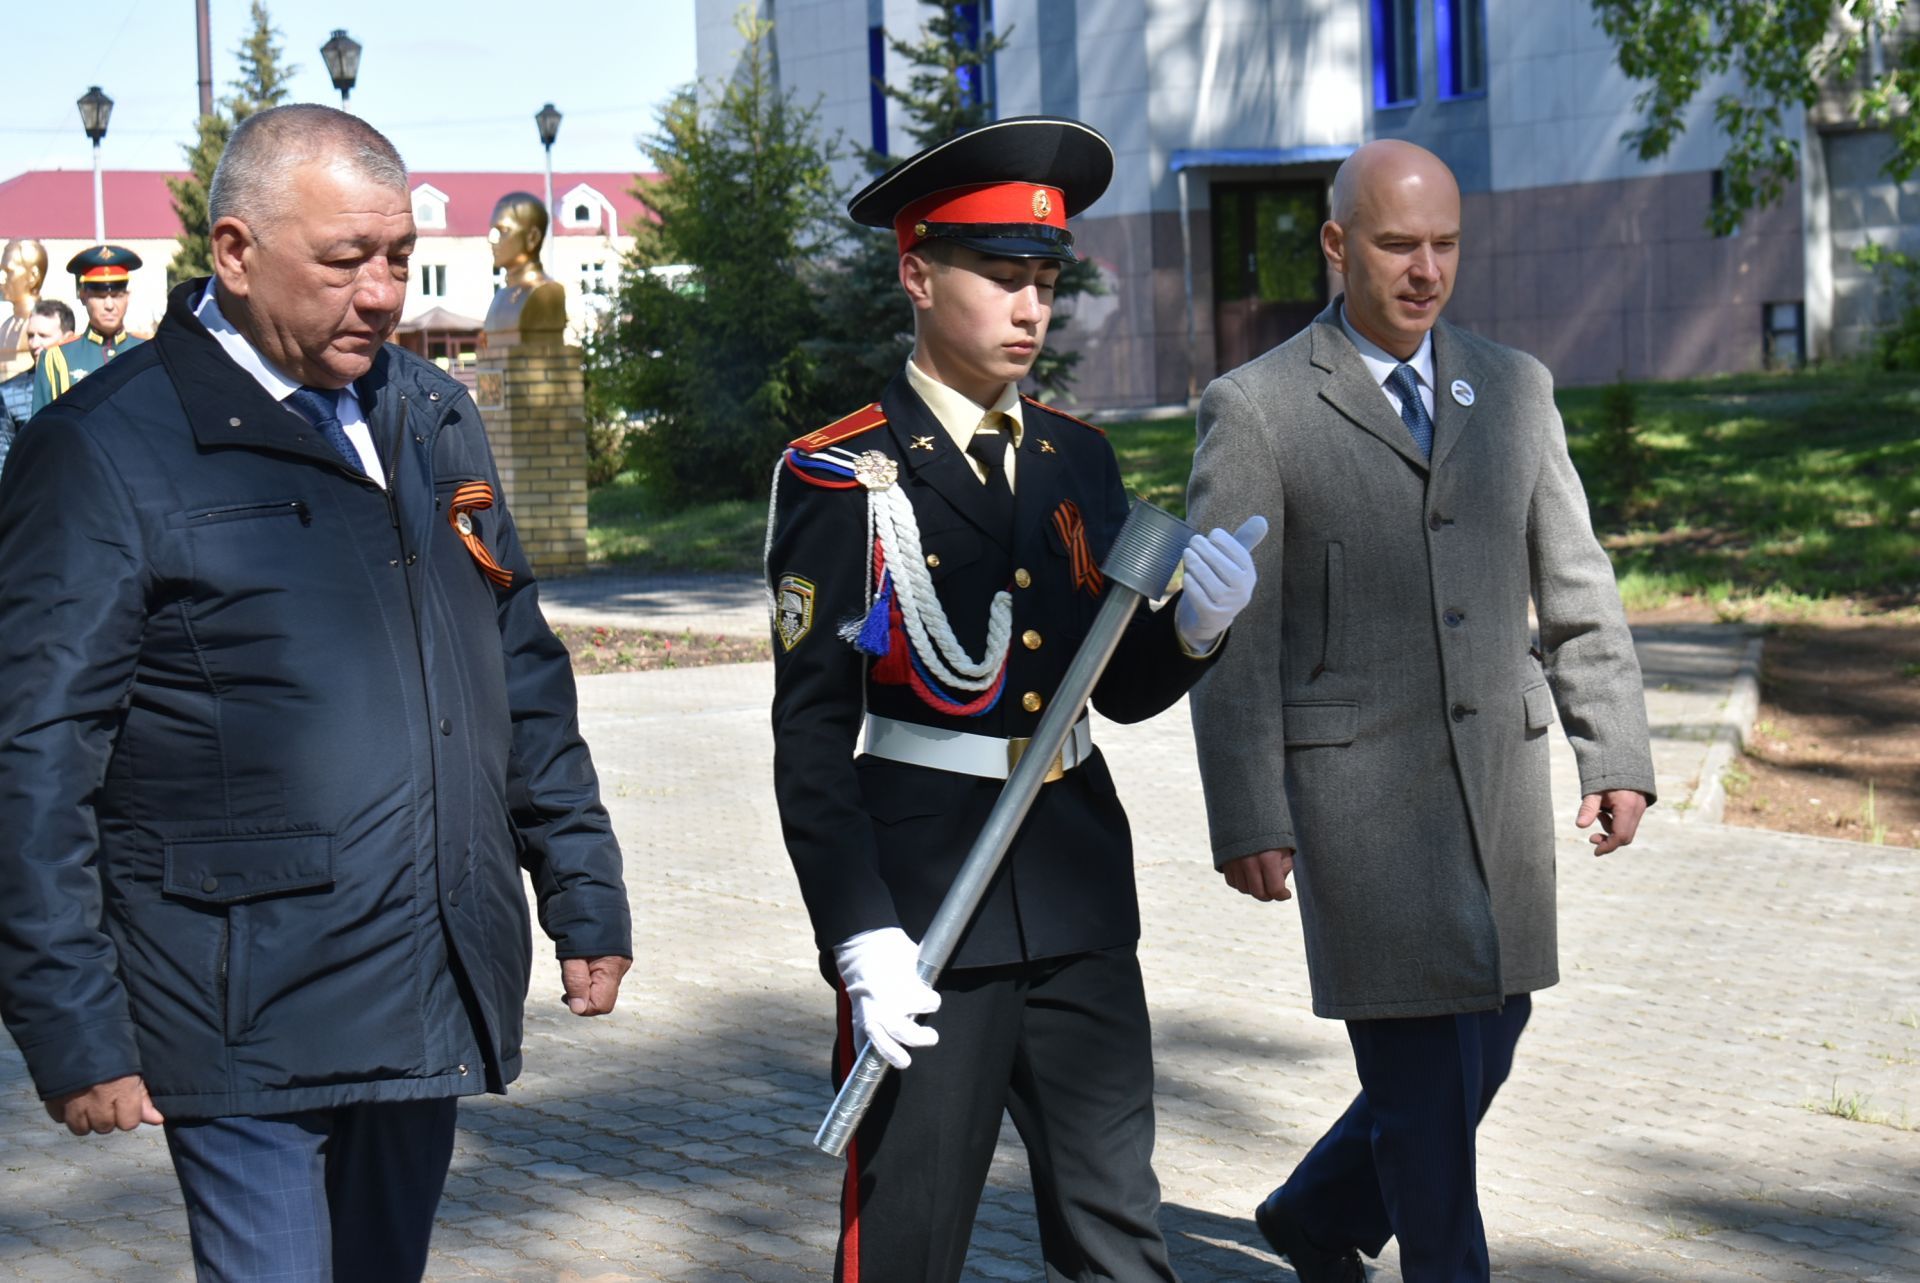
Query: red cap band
[(103, 275), (1000, 203)]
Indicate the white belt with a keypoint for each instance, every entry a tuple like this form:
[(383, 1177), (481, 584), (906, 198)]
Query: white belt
[(966, 754)]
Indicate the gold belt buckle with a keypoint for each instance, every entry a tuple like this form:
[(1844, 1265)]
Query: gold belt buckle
[(1017, 748)]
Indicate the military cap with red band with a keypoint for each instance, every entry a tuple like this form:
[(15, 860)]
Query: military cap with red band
[(1005, 189), (103, 265)]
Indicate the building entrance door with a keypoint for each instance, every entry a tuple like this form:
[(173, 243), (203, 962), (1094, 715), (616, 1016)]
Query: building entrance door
[(1269, 279)]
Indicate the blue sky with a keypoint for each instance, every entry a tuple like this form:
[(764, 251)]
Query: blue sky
[(455, 85)]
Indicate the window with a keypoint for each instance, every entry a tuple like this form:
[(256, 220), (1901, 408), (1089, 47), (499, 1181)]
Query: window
[(1396, 53), (433, 280), (1460, 40), (429, 208), (974, 22), (876, 78), (593, 278)]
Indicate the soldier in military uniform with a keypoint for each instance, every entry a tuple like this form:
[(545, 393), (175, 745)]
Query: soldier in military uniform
[(934, 560), (100, 276)]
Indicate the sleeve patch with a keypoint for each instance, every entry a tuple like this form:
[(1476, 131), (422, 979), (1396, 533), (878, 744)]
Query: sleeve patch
[(793, 609)]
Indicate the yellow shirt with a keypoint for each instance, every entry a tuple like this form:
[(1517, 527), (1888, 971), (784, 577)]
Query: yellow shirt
[(960, 415)]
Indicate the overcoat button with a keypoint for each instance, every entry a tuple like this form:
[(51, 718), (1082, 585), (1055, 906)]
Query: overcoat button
[(210, 885), (1461, 712), (1030, 639), (1454, 618), (1031, 701), (446, 725), (1435, 521), (1022, 578), (933, 561), (233, 423)]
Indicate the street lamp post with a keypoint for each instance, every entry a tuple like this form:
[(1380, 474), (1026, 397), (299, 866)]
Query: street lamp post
[(342, 56), (548, 119), (95, 110)]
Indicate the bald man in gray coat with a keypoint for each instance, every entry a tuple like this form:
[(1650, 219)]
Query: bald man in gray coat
[(1379, 726)]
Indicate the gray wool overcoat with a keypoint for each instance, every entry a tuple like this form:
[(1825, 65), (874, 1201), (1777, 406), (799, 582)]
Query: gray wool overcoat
[(1383, 708)]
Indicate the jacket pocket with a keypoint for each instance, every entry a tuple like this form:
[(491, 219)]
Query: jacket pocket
[(1334, 619), (1539, 705), (214, 514), (1328, 722), (233, 872), (251, 866)]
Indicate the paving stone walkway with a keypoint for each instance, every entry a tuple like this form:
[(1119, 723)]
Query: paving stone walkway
[(1673, 1115)]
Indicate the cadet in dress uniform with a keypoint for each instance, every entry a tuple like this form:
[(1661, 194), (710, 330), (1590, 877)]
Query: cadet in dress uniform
[(934, 564), (100, 276)]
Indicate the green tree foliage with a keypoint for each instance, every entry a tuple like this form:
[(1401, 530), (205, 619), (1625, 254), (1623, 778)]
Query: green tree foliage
[(1783, 53), (868, 324), (718, 363), (262, 83)]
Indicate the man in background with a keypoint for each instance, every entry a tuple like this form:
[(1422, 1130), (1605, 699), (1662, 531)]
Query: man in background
[(49, 324), (100, 276)]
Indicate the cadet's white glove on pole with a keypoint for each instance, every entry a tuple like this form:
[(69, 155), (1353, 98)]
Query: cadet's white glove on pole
[(884, 986), (1219, 583)]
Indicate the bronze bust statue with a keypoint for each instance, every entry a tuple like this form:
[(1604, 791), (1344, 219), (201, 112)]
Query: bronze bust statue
[(23, 267), (531, 302)]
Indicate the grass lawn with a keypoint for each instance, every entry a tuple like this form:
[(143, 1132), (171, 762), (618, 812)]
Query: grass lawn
[(1781, 490)]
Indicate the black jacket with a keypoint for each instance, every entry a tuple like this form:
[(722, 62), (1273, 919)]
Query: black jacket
[(274, 750), (876, 843)]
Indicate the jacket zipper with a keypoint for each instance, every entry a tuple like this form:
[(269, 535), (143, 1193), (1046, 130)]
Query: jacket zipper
[(220, 972), (240, 511)]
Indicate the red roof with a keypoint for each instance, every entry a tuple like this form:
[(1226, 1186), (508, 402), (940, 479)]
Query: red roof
[(57, 204)]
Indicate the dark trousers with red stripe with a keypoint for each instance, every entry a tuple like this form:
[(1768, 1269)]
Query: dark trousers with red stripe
[(1064, 1046)]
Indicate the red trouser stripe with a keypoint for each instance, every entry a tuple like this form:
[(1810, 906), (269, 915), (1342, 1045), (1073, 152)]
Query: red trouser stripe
[(850, 1195)]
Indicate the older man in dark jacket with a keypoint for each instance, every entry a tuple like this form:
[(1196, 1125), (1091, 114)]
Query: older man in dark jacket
[(284, 724)]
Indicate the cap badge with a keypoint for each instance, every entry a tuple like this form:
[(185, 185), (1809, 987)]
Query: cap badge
[(106, 253), (1042, 203)]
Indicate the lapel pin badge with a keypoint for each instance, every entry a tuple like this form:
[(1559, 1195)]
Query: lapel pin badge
[(1463, 392)]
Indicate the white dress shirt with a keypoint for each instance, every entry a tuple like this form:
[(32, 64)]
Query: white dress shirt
[(280, 387), (1381, 364)]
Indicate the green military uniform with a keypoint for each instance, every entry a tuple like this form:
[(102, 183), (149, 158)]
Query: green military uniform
[(59, 368)]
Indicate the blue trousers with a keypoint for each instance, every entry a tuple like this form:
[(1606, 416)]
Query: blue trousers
[(320, 1196), (1400, 1162)]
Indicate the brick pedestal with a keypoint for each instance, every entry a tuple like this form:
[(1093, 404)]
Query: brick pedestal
[(533, 398)]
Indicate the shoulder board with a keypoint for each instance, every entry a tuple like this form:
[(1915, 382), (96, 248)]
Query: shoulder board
[(1041, 405), (72, 338), (865, 419)]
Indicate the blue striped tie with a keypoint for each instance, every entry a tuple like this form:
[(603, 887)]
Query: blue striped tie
[(1413, 411), (321, 408)]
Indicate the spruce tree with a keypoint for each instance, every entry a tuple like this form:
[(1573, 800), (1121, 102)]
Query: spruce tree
[(717, 364), (868, 325), (262, 83)]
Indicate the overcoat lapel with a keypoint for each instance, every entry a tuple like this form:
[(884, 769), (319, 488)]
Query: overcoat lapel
[(1350, 389), (1451, 363), (932, 457), (1039, 484)]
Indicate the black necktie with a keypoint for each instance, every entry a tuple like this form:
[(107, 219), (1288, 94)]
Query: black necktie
[(321, 408), (989, 445)]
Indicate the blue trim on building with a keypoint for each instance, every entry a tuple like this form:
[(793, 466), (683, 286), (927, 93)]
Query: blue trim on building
[(1230, 157)]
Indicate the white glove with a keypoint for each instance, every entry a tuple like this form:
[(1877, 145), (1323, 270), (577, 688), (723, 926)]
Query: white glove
[(886, 991), (1219, 582)]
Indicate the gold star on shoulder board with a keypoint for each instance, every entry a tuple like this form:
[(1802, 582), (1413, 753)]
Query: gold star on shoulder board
[(1046, 447), (923, 443)]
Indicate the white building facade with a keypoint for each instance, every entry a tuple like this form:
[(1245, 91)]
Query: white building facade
[(1229, 117)]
